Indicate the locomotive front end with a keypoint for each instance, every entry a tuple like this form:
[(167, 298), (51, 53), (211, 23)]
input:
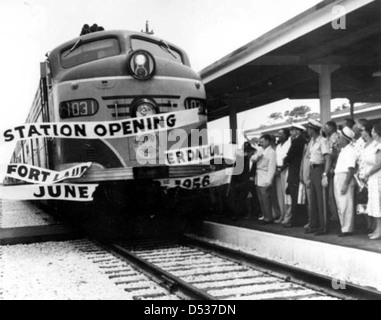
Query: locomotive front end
[(142, 88)]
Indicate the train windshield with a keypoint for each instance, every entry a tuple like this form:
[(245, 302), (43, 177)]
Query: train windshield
[(158, 49), (81, 53)]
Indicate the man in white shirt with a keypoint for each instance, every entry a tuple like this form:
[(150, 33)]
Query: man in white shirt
[(282, 175), (344, 182), (266, 167), (359, 144)]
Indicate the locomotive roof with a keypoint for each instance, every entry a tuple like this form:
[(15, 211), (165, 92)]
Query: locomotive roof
[(120, 34)]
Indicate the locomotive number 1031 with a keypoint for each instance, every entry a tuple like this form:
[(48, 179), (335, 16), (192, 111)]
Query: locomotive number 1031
[(78, 108)]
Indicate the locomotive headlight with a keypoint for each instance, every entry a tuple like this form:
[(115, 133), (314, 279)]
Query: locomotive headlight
[(141, 65), (140, 59), (146, 145), (144, 108)]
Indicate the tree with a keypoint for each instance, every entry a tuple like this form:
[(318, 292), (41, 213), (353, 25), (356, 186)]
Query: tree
[(300, 112), (313, 115), (276, 116)]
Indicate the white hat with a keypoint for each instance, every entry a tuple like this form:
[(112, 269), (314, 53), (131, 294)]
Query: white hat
[(348, 133), (314, 124), (298, 126)]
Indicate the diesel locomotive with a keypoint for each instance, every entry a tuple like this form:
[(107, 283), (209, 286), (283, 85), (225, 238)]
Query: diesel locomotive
[(111, 76)]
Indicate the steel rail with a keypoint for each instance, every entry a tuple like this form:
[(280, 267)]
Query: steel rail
[(172, 283), (288, 273)]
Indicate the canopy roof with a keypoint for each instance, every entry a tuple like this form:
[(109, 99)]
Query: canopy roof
[(281, 63)]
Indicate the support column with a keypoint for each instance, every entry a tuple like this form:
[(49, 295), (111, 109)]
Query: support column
[(233, 120), (325, 89), (352, 104)]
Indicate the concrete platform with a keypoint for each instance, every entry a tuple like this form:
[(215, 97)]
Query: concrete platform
[(355, 259), (27, 235), (22, 222), (359, 240), (14, 214)]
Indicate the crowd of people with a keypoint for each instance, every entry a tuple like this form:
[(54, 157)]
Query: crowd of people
[(313, 176)]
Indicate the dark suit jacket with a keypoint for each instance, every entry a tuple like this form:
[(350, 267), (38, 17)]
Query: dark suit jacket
[(294, 159)]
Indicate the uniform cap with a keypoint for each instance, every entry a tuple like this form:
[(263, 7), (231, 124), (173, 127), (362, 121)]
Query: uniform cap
[(348, 133), (298, 126), (314, 124)]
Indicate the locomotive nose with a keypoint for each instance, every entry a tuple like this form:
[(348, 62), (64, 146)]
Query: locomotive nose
[(141, 65)]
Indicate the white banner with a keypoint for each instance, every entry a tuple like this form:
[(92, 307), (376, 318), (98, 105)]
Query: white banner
[(38, 175), (69, 192), (102, 130), (210, 180), (200, 154)]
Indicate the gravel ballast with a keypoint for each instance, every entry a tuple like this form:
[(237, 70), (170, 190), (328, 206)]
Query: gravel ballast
[(54, 271), (16, 214)]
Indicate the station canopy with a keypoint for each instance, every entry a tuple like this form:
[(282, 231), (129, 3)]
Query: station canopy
[(284, 63)]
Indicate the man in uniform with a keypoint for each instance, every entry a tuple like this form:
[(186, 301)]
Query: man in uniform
[(332, 137), (320, 162)]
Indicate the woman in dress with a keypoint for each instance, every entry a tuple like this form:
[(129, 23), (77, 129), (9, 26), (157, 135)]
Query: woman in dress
[(373, 175), (362, 199)]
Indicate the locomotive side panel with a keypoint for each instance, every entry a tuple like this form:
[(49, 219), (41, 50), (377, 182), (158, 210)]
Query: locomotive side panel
[(32, 151)]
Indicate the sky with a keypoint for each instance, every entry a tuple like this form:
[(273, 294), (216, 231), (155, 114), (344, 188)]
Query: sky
[(207, 29)]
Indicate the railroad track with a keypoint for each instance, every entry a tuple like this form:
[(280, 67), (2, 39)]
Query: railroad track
[(193, 269), (325, 285), (120, 271), (190, 269)]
